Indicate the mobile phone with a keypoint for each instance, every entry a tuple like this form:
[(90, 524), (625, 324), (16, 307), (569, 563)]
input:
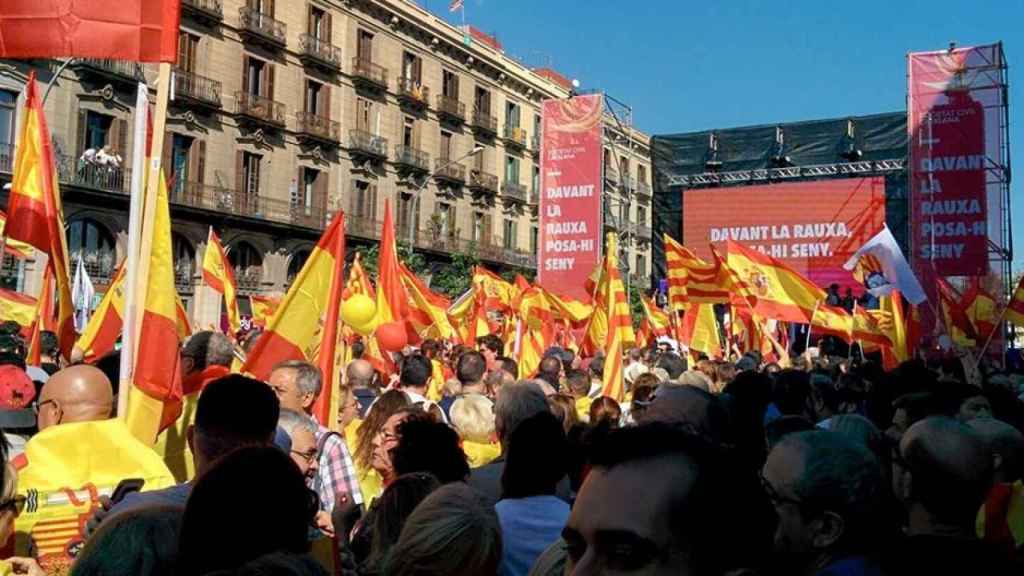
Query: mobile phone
[(126, 487)]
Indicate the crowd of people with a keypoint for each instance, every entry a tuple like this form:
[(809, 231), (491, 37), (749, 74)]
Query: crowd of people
[(454, 466)]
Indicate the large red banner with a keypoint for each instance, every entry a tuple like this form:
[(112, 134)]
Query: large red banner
[(814, 227), (949, 212), (569, 244)]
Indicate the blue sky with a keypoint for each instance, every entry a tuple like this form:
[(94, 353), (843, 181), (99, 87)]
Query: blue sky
[(688, 65)]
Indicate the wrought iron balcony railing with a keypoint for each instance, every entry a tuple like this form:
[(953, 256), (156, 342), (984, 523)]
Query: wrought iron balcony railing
[(445, 169), (368, 143), (196, 88), (412, 158), (484, 122), (260, 108), (319, 51), (367, 71), (318, 126), (207, 8), (515, 135), (451, 107), (480, 180), (514, 191), (412, 92), (262, 26)]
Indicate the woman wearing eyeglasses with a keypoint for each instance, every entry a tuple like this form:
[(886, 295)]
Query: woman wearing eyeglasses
[(11, 504)]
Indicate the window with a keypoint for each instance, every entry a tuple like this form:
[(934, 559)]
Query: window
[(364, 114), (409, 132), (184, 257), (446, 219), (412, 68), (510, 234), (512, 115), (250, 182), (482, 101), (446, 146), (536, 125), (641, 173), (406, 216), (534, 235), (257, 77), (314, 94), (641, 215), (188, 48), (243, 256), (93, 242), (261, 6), (512, 169), (480, 159), (97, 130), (364, 200), (450, 84), (307, 196), (641, 266), (536, 182), (181, 148), (478, 227), (8, 113), (295, 264), (364, 46), (318, 24)]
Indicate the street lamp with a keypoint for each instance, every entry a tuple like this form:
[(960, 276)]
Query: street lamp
[(412, 220)]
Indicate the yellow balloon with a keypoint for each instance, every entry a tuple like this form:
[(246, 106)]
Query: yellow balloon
[(365, 329), (358, 311)]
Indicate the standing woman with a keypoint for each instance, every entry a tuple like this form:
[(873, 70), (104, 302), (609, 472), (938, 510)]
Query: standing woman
[(369, 480)]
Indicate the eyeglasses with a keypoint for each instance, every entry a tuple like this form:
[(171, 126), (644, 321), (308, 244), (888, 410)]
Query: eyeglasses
[(38, 407), (17, 504), (774, 495), (307, 456), (388, 436)]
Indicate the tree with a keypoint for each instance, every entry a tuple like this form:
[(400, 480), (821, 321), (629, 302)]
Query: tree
[(413, 261), (456, 278)]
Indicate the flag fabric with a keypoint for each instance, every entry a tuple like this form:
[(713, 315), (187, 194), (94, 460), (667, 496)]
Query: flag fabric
[(611, 299), (868, 326), (654, 324), (263, 309), (326, 406), (700, 330), (981, 308), (82, 293), (885, 268), (154, 403), (428, 310), (772, 288), (15, 248), (691, 279), (958, 325), (455, 5), (219, 275), (833, 320), (293, 331), (535, 321), (44, 313), (138, 30), (359, 280), (392, 301), (17, 307), (34, 207), (104, 327), (895, 330), (1015, 307)]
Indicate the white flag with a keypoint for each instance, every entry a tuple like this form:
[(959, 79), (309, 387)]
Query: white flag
[(889, 270), (82, 292)]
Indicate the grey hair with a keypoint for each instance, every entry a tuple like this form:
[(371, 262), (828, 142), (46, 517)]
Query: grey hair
[(208, 348), (517, 402), (307, 376), (289, 420)]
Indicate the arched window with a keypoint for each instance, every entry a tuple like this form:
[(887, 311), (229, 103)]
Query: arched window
[(95, 244), (248, 265), (184, 260), (296, 263)]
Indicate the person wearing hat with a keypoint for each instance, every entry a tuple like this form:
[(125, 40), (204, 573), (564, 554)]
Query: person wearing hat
[(17, 419)]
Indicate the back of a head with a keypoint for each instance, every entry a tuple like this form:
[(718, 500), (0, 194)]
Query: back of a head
[(224, 527), (508, 365), (578, 381), (605, 412), (221, 426), (359, 374), (783, 426), (208, 348), (453, 532), (142, 542), (596, 367), (695, 378), (516, 403), (1006, 443), (536, 459), (791, 391), (950, 467), (394, 506), (425, 445), (692, 408), (672, 363), (49, 345), (470, 367), (861, 431), (550, 369), (473, 416), (416, 371)]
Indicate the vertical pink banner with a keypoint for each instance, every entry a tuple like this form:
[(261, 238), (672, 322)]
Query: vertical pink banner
[(948, 202), (569, 246)]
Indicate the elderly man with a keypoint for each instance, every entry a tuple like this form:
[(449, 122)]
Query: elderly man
[(78, 446), (298, 384), (826, 491)]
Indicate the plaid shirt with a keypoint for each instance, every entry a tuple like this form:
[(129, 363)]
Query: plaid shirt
[(337, 473)]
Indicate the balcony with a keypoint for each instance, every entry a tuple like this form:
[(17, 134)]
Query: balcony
[(447, 171), (362, 227), (613, 222), (369, 74), (83, 174), (260, 27), (196, 89), (451, 109), (611, 176), (261, 109), (318, 127), (204, 9), (534, 198), (7, 158), (514, 191), (482, 181), (316, 52), (413, 93), (118, 70), (515, 136), (365, 143), (643, 232), (535, 144), (249, 280), (412, 158), (643, 190), (484, 123), (229, 201), (98, 264)]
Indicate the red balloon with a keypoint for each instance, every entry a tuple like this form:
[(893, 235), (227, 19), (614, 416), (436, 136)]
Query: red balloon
[(392, 337)]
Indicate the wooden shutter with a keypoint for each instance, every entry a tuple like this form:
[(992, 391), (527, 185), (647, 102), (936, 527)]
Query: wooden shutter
[(320, 199), (268, 86), (324, 107), (486, 236), (82, 123), (327, 27), (452, 223), (372, 199), (310, 23), (245, 73), (417, 69), (268, 7), (167, 156), (198, 157), (240, 173)]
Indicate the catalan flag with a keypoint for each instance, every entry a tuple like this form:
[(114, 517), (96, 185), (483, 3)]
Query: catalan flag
[(611, 300), (34, 207), (535, 330), (895, 329), (219, 275), (654, 324), (154, 402), (293, 332), (1015, 307), (771, 287), (691, 279)]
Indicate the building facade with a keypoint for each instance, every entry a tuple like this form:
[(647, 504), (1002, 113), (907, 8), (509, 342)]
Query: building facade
[(285, 112)]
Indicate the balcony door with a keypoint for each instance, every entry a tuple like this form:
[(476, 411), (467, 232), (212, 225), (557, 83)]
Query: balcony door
[(512, 115), (482, 101), (364, 46), (319, 24), (188, 48)]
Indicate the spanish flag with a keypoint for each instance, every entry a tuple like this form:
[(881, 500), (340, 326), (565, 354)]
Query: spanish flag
[(263, 309), (691, 279), (833, 320), (610, 299), (771, 287), (220, 276), (104, 327), (326, 406), (428, 310), (895, 329), (1015, 307), (14, 247), (293, 331), (957, 324), (358, 279), (392, 301), (34, 207), (43, 319), (700, 330), (872, 326), (17, 307), (981, 308), (535, 329)]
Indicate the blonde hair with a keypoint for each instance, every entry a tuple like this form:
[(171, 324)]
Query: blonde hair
[(454, 531), (10, 487), (473, 416)]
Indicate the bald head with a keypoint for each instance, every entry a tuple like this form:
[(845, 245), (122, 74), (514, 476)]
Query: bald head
[(949, 468), (359, 374), (79, 393), (1006, 444)]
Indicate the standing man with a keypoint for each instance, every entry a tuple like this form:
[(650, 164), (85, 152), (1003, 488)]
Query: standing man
[(298, 384)]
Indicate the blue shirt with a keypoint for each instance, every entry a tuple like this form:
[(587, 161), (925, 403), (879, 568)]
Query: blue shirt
[(528, 527)]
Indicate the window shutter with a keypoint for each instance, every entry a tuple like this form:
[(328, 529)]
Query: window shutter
[(373, 202), (165, 157), (310, 24), (268, 6), (269, 86), (245, 73), (199, 153), (320, 199), (324, 107), (240, 172), (417, 69), (452, 222), (82, 144), (328, 28)]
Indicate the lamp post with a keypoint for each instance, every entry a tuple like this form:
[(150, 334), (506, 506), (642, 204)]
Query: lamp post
[(412, 220)]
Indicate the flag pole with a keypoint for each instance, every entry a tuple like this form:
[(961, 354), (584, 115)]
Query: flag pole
[(810, 325), (981, 351)]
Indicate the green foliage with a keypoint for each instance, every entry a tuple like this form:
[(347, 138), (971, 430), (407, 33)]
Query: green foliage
[(636, 307), (454, 279), (412, 260)]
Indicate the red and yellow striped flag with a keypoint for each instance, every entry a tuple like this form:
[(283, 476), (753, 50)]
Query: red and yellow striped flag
[(699, 330), (392, 301), (17, 307), (104, 327), (957, 324), (691, 279), (771, 287), (294, 330), (654, 324), (219, 275), (359, 280), (34, 207), (154, 402), (868, 326), (895, 329), (15, 248), (1015, 307), (326, 406), (535, 328), (263, 309), (981, 308), (428, 310), (610, 298)]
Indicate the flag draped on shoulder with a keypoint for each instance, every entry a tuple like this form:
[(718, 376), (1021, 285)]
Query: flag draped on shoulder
[(611, 299), (35, 216), (772, 288), (691, 279), (219, 275), (155, 400), (293, 331)]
